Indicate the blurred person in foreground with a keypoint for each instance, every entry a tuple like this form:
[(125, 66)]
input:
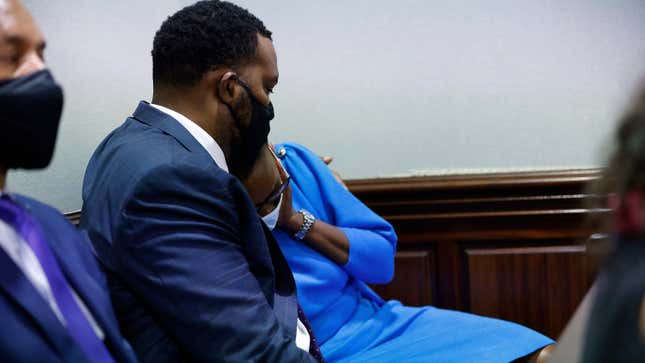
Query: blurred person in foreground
[(616, 326), (54, 304), (335, 245)]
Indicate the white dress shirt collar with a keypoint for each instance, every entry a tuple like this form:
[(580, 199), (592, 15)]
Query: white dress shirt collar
[(202, 137)]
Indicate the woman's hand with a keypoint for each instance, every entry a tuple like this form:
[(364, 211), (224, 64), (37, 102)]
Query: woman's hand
[(329, 240), (289, 219)]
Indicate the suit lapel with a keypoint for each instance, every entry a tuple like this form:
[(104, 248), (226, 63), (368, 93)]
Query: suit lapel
[(285, 303), (85, 287), (20, 289), (94, 298)]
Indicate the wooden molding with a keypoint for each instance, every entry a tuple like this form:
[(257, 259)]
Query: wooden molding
[(74, 217), (501, 245), (480, 206), (533, 205), (473, 181)]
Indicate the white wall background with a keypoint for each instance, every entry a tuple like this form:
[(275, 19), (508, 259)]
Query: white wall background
[(387, 87)]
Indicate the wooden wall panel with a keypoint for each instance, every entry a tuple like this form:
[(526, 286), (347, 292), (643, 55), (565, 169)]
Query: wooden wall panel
[(539, 287), (506, 245), (413, 282)]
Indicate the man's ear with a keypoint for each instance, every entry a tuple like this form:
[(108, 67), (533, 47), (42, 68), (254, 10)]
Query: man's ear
[(226, 86)]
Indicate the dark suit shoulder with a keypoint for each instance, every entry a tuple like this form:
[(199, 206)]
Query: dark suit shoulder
[(138, 154), (46, 214), (41, 209), (135, 144), (211, 191), (62, 234)]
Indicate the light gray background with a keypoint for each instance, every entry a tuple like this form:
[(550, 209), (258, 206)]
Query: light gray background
[(386, 87)]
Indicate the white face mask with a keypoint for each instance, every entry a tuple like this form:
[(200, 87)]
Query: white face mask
[(271, 219)]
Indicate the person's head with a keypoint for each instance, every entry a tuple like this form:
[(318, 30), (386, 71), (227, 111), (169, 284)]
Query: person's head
[(624, 179), (30, 100), (266, 183), (22, 44), (216, 61)]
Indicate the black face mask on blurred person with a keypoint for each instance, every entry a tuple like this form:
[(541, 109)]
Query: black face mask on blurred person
[(30, 110), (252, 138)]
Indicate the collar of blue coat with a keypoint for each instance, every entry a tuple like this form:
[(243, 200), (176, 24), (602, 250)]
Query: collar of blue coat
[(155, 117)]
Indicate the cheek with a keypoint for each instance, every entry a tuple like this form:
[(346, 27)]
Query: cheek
[(256, 194), (266, 209), (29, 64), (245, 119), (243, 112), (5, 73), (7, 64)]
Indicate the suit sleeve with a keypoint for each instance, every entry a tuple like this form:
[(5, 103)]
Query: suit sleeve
[(372, 240), (179, 249)]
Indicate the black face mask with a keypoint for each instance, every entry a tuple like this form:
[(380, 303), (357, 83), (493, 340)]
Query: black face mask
[(30, 109), (246, 151)]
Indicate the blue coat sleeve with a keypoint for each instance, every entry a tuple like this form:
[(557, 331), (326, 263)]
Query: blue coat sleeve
[(179, 246), (372, 240)]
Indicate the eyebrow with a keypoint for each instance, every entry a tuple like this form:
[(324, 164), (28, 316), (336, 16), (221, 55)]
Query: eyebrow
[(19, 40), (15, 39)]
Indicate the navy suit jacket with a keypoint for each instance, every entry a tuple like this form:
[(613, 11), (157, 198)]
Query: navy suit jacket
[(194, 273), (31, 332)]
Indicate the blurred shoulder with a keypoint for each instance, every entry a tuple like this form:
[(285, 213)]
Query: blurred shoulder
[(41, 210), (61, 233)]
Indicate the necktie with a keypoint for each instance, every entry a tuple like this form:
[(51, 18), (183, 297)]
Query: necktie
[(314, 349), (77, 324)]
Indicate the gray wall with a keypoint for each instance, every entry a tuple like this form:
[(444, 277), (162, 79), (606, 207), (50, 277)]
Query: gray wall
[(387, 87)]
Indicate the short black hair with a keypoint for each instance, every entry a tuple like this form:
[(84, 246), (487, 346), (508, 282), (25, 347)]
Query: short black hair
[(201, 36)]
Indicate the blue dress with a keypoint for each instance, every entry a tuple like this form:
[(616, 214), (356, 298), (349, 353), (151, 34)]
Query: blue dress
[(351, 322)]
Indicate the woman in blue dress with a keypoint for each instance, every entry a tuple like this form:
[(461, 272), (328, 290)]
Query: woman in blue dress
[(335, 245)]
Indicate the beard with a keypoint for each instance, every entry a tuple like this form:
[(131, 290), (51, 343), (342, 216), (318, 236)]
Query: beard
[(241, 161), (249, 139)]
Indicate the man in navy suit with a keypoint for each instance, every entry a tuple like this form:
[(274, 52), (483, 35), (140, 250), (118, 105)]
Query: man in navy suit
[(54, 304), (194, 273)]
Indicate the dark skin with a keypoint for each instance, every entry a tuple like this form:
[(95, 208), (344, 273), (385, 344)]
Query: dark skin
[(267, 175), (205, 103), (22, 47)]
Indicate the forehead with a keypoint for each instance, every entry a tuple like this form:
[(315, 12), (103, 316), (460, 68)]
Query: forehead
[(267, 57), (16, 24)]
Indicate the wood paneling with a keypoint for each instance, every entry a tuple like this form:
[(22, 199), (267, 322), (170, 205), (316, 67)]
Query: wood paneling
[(413, 282), (539, 287), (74, 217), (505, 245)]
